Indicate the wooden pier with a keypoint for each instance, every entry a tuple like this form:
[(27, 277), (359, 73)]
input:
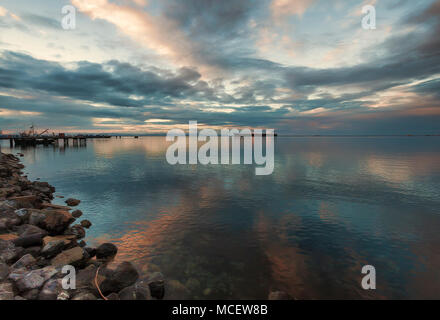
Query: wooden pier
[(78, 140)]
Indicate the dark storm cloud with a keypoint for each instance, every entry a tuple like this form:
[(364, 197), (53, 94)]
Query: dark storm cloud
[(113, 82)]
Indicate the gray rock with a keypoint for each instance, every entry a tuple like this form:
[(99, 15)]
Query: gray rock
[(19, 298), (52, 248), (24, 262), (35, 278), (29, 240)]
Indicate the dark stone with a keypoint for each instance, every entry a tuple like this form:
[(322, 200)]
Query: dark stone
[(72, 202), (52, 248), (34, 251), (82, 243), (106, 251), (86, 224), (157, 285), (28, 241), (91, 251), (77, 213), (77, 230), (123, 276), (139, 291), (57, 221), (30, 295), (9, 253)]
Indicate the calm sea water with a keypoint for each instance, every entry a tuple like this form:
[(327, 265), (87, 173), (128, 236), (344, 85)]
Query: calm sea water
[(331, 206)]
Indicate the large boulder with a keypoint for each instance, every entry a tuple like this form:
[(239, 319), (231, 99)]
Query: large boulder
[(76, 256), (57, 221), (86, 224), (124, 275), (106, 251), (35, 278)]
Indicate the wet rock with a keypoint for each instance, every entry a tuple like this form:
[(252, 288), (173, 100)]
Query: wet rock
[(106, 251), (50, 290), (75, 257), (77, 213), (82, 243), (156, 284), (22, 213), (84, 296), (6, 291), (279, 295), (139, 291), (52, 248), (57, 221), (123, 276), (72, 202), (25, 261), (86, 224), (77, 230)]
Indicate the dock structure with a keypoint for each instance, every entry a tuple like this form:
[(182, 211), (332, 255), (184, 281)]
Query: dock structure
[(78, 140)]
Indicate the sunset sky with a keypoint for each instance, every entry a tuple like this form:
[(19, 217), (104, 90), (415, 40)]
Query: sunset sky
[(146, 66)]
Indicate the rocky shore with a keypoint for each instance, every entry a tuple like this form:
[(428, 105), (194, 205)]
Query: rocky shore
[(38, 239)]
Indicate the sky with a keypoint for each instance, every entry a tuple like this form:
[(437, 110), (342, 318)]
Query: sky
[(148, 66)]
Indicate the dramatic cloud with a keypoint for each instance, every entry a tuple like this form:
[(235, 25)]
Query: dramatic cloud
[(147, 66)]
